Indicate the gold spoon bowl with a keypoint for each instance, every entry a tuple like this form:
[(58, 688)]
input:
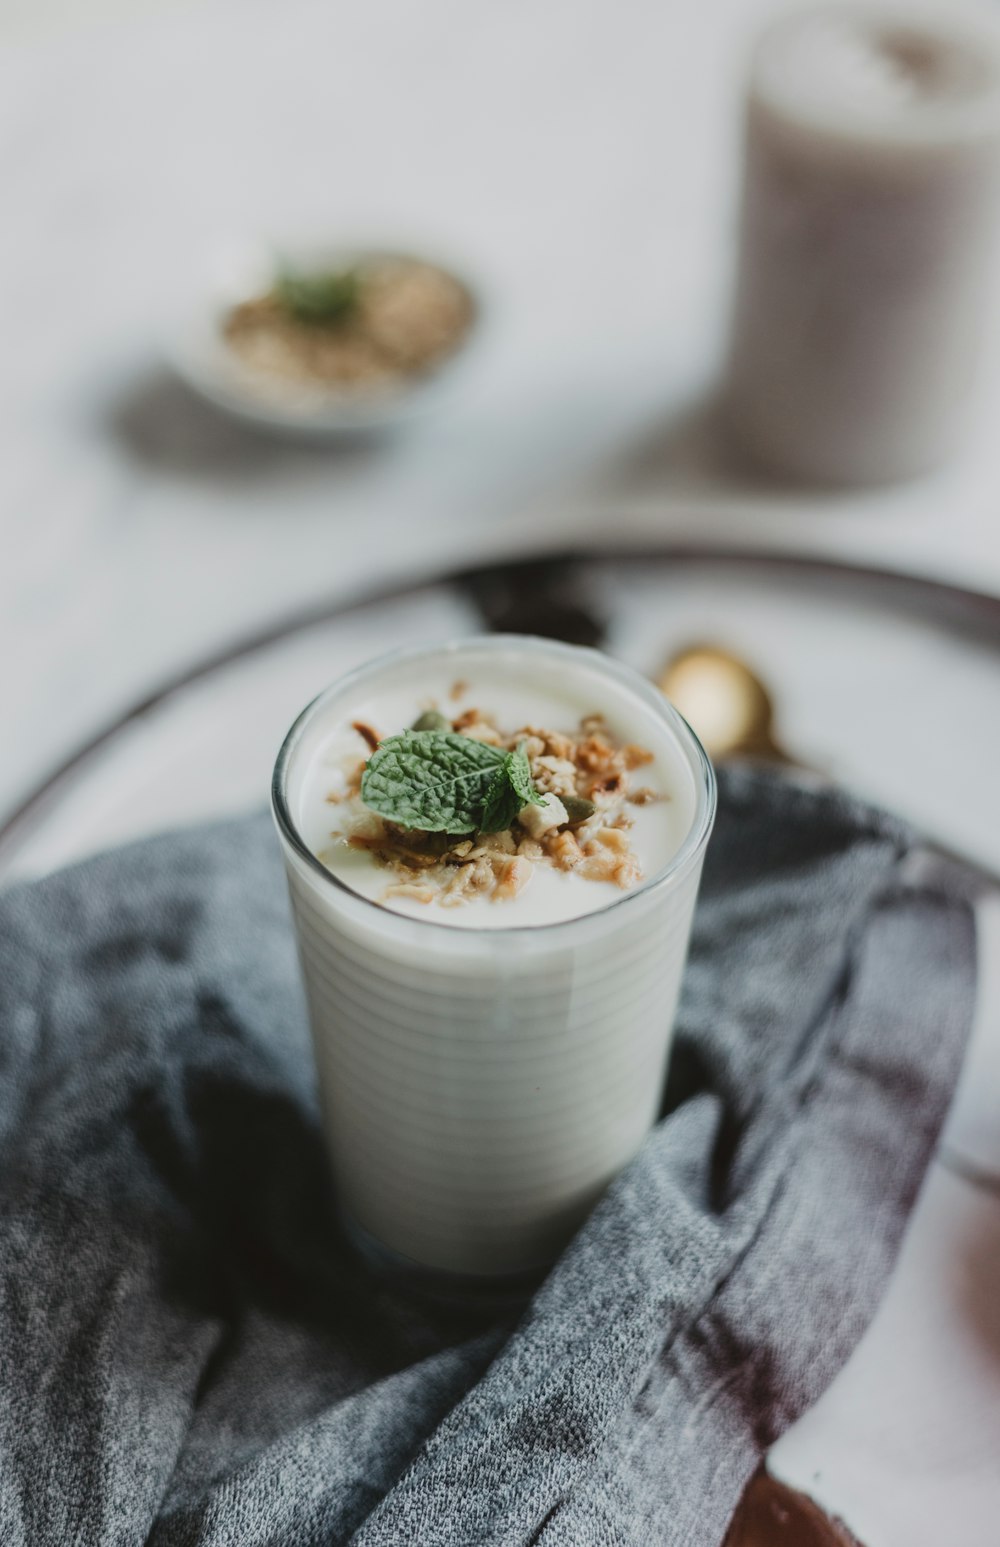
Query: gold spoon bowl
[(725, 702)]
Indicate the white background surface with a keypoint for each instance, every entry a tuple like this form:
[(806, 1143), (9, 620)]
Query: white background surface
[(582, 156), (581, 153)]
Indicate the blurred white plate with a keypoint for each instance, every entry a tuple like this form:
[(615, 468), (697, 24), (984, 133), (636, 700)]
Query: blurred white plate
[(197, 351)]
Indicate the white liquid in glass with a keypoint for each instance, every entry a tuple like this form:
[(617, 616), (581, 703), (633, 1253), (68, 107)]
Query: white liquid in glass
[(487, 1070)]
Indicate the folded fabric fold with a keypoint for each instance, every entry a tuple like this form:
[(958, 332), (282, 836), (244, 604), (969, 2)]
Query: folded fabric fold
[(191, 1353)]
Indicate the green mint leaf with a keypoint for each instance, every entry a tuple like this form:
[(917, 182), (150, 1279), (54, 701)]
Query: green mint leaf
[(519, 773), (502, 801), (319, 300), (510, 790), (434, 781), (437, 781)]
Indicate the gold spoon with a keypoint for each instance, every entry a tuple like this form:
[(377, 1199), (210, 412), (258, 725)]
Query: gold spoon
[(725, 702), (732, 712)]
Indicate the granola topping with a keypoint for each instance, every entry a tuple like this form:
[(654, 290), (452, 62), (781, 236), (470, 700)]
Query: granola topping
[(582, 827), (367, 328)]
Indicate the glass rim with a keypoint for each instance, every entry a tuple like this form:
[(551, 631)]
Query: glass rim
[(688, 853)]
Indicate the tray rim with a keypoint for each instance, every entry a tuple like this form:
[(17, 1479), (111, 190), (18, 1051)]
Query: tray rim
[(968, 610)]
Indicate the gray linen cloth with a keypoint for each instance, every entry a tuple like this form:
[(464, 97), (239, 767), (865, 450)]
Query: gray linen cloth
[(189, 1351)]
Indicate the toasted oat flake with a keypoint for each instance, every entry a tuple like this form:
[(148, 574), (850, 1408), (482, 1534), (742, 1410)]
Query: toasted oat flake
[(366, 732), (408, 889), (635, 757), (514, 878)]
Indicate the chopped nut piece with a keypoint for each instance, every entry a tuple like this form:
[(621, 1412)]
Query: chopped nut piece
[(482, 875), (628, 872), (459, 884), (642, 797), (366, 732), (594, 753), (564, 851), (537, 820), (532, 742), (410, 889), (612, 838), (513, 878), (635, 757), (480, 726), (495, 843), (607, 788), (458, 689), (560, 746), (600, 867), (466, 718), (554, 775), (367, 831), (480, 730)]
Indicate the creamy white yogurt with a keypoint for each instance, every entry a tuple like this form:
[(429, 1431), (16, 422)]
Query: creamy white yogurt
[(487, 1070), (517, 692)]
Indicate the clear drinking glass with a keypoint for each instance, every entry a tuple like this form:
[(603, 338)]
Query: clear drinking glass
[(482, 1086)]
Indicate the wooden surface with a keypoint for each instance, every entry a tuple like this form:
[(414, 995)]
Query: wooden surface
[(771, 1515)]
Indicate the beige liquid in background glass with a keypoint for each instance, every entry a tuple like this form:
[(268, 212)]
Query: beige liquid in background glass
[(486, 1070), (869, 237)]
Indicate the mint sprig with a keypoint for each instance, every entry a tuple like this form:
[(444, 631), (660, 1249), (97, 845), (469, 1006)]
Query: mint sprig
[(319, 300), (509, 791), (441, 782), (519, 774)]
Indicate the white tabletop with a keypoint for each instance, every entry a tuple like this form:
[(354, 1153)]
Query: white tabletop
[(581, 156)]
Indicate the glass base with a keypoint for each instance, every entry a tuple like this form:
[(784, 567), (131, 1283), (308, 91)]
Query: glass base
[(440, 1284)]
